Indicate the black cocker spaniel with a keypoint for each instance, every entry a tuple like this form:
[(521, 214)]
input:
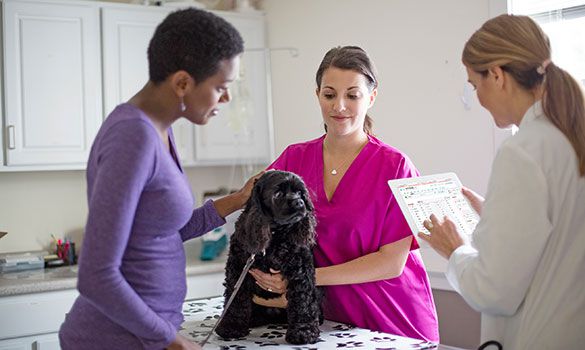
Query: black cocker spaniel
[(278, 225)]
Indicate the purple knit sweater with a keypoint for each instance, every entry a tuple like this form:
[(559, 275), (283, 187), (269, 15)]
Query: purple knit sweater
[(132, 279)]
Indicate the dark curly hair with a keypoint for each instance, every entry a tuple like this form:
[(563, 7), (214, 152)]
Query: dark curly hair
[(192, 40)]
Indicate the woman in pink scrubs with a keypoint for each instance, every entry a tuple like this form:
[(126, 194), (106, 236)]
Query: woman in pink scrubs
[(365, 254)]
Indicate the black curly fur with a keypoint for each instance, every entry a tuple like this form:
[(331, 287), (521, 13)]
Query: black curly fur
[(285, 229)]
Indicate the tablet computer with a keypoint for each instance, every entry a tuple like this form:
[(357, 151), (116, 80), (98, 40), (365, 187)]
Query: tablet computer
[(439, 194)]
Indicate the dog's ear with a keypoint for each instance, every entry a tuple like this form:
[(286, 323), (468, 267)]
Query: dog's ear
[(303, 232), (256, 200), (307, 199), (253, 227)]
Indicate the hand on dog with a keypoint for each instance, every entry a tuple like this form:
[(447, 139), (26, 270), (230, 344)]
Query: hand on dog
[(280, 302), (273, 282), (235, 201), (246, 191)]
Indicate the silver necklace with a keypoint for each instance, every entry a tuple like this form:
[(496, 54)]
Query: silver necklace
[(354, 155)]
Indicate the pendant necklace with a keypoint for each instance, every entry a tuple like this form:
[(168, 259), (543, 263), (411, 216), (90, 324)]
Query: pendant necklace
[(353, 156)]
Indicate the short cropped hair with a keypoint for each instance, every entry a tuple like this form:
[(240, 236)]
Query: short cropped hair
[(192, 40)]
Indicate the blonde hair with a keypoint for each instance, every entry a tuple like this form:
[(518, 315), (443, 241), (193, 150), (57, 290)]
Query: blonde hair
[(519, 46)]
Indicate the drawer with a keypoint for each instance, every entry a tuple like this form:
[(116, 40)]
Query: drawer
[(38, 313)]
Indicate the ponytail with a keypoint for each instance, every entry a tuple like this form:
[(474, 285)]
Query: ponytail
[(563, 104)]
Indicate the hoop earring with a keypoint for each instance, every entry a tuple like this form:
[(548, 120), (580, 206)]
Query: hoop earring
[(182, 105)]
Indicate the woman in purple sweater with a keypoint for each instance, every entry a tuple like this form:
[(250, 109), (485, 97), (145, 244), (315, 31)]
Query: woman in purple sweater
[(132, 279)]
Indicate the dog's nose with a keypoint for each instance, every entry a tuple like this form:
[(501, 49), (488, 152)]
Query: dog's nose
[(297, 203)]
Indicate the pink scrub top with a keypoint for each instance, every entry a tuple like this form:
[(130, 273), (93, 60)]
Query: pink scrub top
[(362, 216)]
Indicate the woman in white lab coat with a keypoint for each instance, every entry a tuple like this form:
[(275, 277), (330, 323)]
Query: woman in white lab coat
[(525, 269)]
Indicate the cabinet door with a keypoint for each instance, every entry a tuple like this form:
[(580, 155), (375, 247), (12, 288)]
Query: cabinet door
[(242, 131), (126, 35), (47, 342), (15, 344), (52, 82)]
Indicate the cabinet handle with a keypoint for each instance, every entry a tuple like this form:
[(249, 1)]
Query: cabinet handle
[(10, 132)]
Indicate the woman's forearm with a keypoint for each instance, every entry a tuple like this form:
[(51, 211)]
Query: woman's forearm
[(386, 263)]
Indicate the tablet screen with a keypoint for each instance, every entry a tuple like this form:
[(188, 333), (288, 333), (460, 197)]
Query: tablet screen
[(439, 194)]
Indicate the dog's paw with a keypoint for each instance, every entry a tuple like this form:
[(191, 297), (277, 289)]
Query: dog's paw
[(304, 333), (231, 331)]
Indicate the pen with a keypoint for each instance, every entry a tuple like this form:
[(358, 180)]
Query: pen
[(66, 252), (59, 249)]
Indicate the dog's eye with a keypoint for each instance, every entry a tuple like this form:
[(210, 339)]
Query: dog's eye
[(278, 194)]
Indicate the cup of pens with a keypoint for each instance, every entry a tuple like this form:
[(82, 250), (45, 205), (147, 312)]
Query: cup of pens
[(64, 251)]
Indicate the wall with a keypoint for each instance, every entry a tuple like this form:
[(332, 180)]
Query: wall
[(459, 324), (416, 45), (34, 205)]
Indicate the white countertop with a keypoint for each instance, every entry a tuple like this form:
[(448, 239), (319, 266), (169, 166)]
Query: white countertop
[(36, 281), (60, 278)]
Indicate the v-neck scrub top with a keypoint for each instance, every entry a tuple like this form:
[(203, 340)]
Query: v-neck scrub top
[(361, 216), (132, 280)]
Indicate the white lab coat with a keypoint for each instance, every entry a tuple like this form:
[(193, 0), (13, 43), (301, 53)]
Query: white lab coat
[(526, 268)]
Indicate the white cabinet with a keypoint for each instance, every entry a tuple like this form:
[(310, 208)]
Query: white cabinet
[(32, 314), (31, 321), (241, 133), (52, 82), (41, 342), (15, 344), (126, 34)]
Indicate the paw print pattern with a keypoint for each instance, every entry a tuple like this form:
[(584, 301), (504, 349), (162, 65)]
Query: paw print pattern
[(350, 345), (278, 327), (272, 335), (196, 304), (266, 343), (424, 345), (211, 317), (343, 335), (233, 346), (192, 311), (382, 339), (343, 327), (206, 325), (196, 333)]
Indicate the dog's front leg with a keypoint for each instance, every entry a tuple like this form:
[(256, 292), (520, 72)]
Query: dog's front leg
[(236, 322), (303, 299)]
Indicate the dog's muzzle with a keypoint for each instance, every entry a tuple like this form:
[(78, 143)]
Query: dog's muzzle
[(297, 204)]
